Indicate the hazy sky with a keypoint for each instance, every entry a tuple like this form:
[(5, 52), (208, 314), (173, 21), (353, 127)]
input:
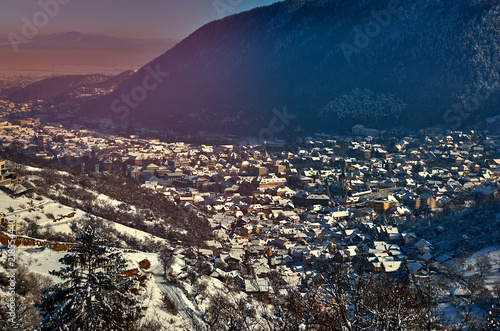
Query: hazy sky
[(173, 19)]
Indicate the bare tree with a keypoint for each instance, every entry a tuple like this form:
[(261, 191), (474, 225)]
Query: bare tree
[(200, 289), (170, 304), (362, 299), (167, 258), (483, 264), (32, 228)]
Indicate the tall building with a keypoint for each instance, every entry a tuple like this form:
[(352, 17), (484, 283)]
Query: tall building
[(7, 177), (42, 140)]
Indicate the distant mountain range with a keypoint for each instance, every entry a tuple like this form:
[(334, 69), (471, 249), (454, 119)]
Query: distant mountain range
[(83, 41), (331, 63)]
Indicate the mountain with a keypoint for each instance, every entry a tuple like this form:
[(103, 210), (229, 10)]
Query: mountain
[(59, 86), (329, 64), (113, 81), (83, 41)]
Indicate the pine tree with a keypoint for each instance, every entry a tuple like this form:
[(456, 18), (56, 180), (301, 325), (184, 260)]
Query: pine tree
[(94, 294)]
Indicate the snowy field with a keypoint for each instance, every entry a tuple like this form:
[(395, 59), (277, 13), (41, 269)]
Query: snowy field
[(468, 266), (490, 277), (46, 213), (49, 214)]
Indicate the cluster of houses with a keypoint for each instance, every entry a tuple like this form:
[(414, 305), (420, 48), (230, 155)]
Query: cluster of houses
[(272, 215), (287, 243), (278, 210), (16, 111)]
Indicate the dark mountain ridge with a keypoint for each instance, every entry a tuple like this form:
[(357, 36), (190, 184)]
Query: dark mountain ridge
[(59, 86), (332, 63)]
